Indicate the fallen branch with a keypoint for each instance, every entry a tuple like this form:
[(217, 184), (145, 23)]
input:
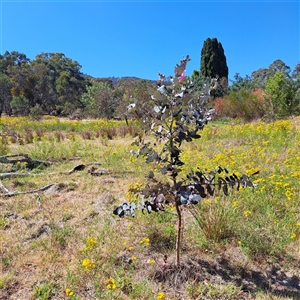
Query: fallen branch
[(81, 167), (98, 173), (7, 193), (95, 172), (21, 174), (9, 134), (13, 174), (23, 158)]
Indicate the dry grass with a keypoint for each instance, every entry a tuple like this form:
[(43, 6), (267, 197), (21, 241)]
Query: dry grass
[(42, 240)]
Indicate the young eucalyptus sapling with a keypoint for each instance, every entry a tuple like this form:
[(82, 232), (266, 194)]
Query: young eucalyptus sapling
[(176, 116)]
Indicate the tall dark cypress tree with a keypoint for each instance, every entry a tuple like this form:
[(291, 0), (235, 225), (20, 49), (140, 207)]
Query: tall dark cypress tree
[(213, 59)]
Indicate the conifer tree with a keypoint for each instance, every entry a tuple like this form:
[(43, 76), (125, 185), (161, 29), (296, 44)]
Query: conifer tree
[(213, 59)]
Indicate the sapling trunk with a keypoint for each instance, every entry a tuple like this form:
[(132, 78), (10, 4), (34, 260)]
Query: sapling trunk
[(178, 241)]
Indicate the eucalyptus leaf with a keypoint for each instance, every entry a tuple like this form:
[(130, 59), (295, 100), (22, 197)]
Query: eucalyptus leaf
[(225, 189), (156, 108), (194, 199), (201, 190)]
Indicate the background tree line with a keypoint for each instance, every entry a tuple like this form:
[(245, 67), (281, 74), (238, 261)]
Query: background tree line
[(269, 93), (52, 84)]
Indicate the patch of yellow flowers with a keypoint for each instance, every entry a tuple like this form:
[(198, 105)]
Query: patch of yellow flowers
[(90, 242), (88, 264), (69, 292), (110, 284), (145, 241), (161, 296)]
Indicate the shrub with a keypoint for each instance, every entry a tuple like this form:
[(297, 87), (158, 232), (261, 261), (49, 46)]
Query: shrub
[(243, 104), (215, 217), (20, 105), (280, 90), (36, 112)]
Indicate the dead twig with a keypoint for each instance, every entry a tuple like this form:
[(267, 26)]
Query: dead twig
[(3, 188), (38, 200)]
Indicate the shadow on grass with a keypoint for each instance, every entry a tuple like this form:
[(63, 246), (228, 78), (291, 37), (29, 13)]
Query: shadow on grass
[(271, 280)]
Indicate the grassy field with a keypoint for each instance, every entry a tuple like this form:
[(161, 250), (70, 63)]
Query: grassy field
[(65, 243)]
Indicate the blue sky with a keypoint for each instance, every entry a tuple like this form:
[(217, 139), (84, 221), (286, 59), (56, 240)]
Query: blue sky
[(141, 38)]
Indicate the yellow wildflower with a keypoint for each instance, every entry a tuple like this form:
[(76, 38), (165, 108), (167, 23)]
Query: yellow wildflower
[(145, 241), (69, 292), (161, 296), (235, 203), (294, 235), (171, 208), (85, 249), (88, 264), (91, 242), (110, 284), (247, 213)]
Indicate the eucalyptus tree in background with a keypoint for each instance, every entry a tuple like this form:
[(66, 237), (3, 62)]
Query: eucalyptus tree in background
[(15, 81), (296, 71), (241, 83), (9, 59), (279, 66), (132, 89), (296, 84), (260, 76), (106, 101), (65, 82), (5, 94), (52, 82)]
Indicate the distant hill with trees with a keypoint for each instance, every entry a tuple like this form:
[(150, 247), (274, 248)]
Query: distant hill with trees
[(53, 84)]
